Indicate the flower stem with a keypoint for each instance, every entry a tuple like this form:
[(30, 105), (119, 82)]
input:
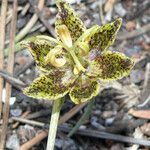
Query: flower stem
[(54, 123), (77, 62), (83, 118)]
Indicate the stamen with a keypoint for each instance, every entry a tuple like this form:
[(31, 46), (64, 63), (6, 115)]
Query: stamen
[(51, 57), (64, 35)]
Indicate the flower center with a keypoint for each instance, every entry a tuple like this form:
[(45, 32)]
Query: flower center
[(66, 39)]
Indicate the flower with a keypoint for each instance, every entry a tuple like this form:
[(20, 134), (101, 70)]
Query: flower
[(75, 61)]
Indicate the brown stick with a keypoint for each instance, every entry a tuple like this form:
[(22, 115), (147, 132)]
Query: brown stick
[(2, 44), (84, 132), (23, 116), (71, 113), (34, 141), (63, 119), (30, 24), (9, 69)]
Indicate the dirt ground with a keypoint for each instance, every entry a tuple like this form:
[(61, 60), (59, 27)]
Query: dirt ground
[(120, 116)]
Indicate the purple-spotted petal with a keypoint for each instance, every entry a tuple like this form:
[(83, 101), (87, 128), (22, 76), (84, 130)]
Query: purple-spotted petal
[(110, 66), (67, 16), (84, 89), (51, 86), (101, 37)]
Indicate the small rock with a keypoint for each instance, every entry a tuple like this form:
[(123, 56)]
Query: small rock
[(109, 121), (21, 22), (137, 76), (120, 10), (22, 60), (117, 147), (97, 112), (95, 124), (146, 129), (107, 114), (134, 51), (66, 144), (16, 112), (13, 142), (130, 26), (11, 100), (26, 133)]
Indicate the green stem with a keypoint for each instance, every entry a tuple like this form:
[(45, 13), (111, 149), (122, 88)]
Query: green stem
[(76, 60), (54, 123), (83, 118)]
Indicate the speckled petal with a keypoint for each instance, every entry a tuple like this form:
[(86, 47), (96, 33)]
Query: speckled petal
[(67, 16), (102, 37), (39, 48), (52, 86), (84, 89), (110, 66)]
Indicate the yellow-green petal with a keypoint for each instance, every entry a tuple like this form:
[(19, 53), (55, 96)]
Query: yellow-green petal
[(39, 48), (102, 37), (67, 16), (110, 66), (84, 89), (52, 86)]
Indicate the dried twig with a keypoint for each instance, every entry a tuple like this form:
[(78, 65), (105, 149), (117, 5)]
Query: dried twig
[(37, 114), (2, 44), (30, 24), (26, 113), (63, 119), (31, 122), (83, 132), (101, 14), (25, 9), (145, 95), (145, 114), (46, 23), (9, 69), (106, 135), (34, 141), (10, 79), (135, 33), (71, 113), (23, 69)]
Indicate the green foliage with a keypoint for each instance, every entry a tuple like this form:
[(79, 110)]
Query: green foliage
[(67, 64)]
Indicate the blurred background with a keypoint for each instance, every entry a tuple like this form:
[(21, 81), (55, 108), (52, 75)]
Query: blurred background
[(121, 108)]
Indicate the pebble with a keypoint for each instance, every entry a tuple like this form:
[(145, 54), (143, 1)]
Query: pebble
[(13, 142), (66, 144), (109, 121), (107, 114), (26, 133), (95, 123), (11, 100), (16, 112), (137, 76), (21, 22), (120, 10), (97, 112)]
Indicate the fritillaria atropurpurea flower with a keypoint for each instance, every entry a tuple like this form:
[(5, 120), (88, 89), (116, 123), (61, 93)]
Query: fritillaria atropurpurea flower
[(77, 60)]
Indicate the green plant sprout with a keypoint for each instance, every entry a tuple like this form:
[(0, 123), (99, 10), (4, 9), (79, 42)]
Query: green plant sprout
[(75, 62)]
